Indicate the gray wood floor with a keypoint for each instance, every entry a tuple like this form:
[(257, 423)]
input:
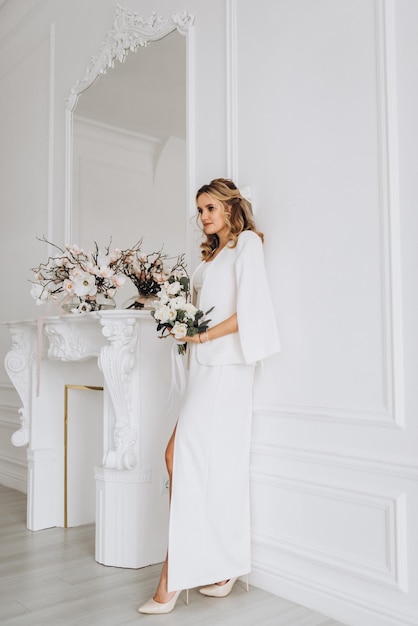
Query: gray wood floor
[(51, 577)]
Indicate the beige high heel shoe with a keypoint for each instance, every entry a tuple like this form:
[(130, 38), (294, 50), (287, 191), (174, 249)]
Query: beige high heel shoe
[(151, 607), (221, 591)]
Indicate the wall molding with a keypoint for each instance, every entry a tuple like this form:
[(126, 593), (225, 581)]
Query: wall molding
[(6, 387), (51, 134), (391, 414), (13, 473), (5, 458), (8, 394), (392, 575), (116, 137), (353, 417), (231, 91), (354, 602), (191, 183), (109, 475), (383, 467), (8, 422), (390, 209), (129, 32), (323, 558), (45, 455)]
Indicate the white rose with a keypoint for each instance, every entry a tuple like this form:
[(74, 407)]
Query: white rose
[(159, 313), (179, 330), (162, 296), (179, 302), (190, 310), (173, 288), (165, 314), (156, 313), (172, 314)]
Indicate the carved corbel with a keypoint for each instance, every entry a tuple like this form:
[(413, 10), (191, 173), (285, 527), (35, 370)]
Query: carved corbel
[(117, 362), (18, 363)]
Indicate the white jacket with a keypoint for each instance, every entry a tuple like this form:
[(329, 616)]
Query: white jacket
[(236, 282)]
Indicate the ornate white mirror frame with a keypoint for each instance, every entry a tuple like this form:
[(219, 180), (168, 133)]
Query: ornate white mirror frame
[(129, 32)]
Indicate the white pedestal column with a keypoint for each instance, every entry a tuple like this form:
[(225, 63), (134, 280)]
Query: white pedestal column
[(126, 532)]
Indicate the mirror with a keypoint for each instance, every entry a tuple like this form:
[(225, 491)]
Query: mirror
[(127, 139)]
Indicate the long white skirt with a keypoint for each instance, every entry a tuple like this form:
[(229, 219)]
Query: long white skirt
[(209, 535)]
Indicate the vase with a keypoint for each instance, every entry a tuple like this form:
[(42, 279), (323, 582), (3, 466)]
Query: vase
[(101, 302), (77, 304), (141, 301)]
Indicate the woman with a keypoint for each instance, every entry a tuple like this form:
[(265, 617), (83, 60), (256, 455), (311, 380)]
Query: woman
[(208, 453)]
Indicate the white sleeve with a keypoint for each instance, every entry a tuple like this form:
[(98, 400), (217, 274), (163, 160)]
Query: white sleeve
[(257, 326)]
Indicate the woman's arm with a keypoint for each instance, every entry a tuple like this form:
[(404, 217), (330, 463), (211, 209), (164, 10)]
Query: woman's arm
[(227, 327)]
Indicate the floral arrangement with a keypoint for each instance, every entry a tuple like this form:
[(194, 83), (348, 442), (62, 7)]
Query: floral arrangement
[(89, 281), (148, 272), (91, 278), (174, 312)]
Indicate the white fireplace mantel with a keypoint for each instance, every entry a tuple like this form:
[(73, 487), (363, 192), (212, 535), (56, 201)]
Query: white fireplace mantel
[(120, 350)]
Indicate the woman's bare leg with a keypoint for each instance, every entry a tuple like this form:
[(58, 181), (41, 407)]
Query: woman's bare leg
[(162, 595), (169, 457)]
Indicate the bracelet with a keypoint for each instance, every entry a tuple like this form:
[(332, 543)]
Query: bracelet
[(200, 338)]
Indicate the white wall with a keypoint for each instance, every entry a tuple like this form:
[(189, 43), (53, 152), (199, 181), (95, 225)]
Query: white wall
[(334, 467), (312, 105), (24, 128)]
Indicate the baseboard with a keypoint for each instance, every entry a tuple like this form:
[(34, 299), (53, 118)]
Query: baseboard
[(332, 602), (13, 473)]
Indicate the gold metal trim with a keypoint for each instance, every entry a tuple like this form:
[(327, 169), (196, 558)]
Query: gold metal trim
[(66, 388)]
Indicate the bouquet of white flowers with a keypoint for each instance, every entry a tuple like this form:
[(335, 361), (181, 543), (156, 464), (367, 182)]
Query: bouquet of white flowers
[(175, 314)]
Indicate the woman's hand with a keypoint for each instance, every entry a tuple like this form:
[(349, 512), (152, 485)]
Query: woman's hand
[(194, 339), (227, 327), (187, 339)]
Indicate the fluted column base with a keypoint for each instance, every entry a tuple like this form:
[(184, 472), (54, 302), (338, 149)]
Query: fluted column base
[(126, 535)]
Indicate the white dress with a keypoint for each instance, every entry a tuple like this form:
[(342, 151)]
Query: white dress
[(209, 534)]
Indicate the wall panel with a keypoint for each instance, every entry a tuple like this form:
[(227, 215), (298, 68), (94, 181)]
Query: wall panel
[(23, 207), (334, 475)]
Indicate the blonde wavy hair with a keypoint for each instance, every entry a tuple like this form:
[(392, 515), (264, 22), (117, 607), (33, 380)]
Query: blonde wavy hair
[(237, 210)]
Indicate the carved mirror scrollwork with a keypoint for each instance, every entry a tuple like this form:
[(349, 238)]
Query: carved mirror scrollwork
[(130, 178), (129, 31)]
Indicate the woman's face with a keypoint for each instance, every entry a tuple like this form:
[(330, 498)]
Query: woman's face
[(212, 215)]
